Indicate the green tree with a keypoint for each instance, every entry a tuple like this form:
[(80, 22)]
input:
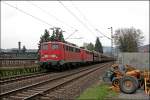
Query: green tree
[(128, 39), (44, 38), (61, 37), (89, 46), (53, 36), (98, 46), (57, 35)]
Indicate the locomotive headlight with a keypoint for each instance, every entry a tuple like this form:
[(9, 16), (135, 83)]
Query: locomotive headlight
[(53, 56), (45, 56)]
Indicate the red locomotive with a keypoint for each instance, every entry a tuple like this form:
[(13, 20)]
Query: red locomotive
[(59, 55)]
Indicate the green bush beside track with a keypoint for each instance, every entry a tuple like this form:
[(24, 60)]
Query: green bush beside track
[(9, 72)]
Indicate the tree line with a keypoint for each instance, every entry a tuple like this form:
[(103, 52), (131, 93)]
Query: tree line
[(57, 35), (97, 47), (126, 39)]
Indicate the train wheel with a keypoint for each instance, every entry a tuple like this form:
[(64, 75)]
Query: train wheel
[(60, 68), (69, 66), (65, 66), (73, 65), (78, 64)]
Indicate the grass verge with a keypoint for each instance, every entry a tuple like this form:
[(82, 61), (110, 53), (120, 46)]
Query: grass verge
[(98, 92)]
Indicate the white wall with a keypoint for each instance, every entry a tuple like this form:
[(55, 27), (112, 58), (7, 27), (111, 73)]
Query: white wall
[(139, 60)]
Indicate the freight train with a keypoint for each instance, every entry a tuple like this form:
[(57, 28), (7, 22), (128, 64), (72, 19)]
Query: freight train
[(60, 55)]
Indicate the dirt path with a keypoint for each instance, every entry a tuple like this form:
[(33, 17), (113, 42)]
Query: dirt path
[(139, 95)]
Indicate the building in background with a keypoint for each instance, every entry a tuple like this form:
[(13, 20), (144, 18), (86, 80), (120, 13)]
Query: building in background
[(144, 48)]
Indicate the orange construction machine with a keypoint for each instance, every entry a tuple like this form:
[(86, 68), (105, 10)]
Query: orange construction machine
[(125, 77)]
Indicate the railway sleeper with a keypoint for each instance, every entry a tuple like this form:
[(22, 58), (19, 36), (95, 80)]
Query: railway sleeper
[(16, 98), (49, 98), (62, 89), (26, 92), (38, 89), (45, 98), (22, 95), (5, 99), (33, 91), (58, 91)]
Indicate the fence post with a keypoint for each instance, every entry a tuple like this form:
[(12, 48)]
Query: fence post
[(0, 62)]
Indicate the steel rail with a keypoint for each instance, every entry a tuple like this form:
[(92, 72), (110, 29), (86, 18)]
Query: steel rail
[(21, 77), (44, 83)]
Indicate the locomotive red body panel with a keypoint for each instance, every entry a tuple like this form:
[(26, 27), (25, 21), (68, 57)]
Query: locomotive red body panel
[(71, 53), (59, 53), (87, 56), (51, 51)]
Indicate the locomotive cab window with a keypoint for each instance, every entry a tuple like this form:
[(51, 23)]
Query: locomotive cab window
[(44, 46), (55, 46)]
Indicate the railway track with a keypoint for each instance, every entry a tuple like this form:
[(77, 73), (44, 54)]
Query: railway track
[(20, 77), (48, 84)]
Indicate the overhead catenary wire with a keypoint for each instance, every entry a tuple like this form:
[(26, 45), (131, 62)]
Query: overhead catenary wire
[(48, 13), (75, 16), (103, 34), (88, 21), (71, 35), (43, 20), (29, 14), (77, 38), (22, 11), (82, 14)]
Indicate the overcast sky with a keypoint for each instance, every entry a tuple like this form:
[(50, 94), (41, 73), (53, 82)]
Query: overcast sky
[(17, 26)]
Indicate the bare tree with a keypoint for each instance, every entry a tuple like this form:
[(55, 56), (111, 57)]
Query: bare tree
[(128, 39)]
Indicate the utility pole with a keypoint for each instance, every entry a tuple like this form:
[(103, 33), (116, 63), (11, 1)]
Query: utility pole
[(111, 40), (0, 43)]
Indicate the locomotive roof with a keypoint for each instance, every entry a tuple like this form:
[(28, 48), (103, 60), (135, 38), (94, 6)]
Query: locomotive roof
[(66, 44)]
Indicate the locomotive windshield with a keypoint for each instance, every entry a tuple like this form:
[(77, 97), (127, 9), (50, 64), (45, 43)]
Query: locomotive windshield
[(55, 46)]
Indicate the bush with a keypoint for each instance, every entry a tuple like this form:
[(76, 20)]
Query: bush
[(19, 71)]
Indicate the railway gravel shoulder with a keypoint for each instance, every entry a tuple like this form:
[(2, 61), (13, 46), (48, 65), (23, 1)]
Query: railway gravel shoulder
[(139, 95), (75, 88)]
